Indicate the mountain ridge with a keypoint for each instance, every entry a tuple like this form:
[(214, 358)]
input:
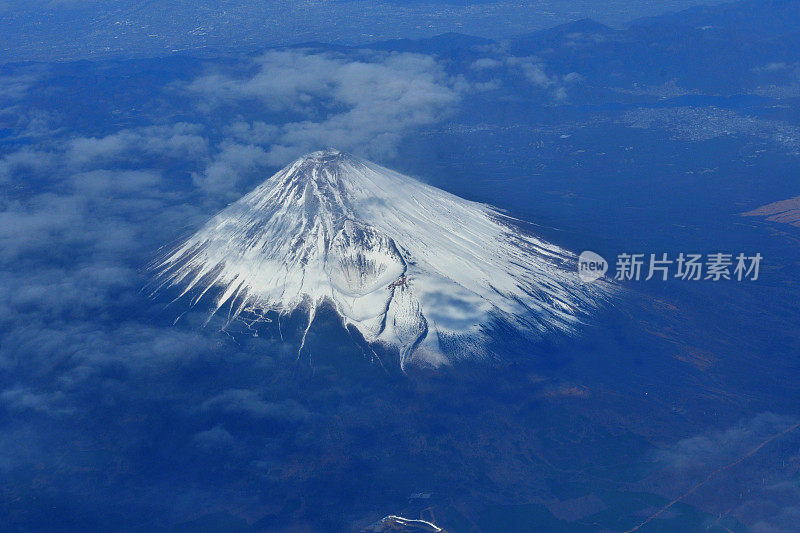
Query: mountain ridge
[(409, 266)]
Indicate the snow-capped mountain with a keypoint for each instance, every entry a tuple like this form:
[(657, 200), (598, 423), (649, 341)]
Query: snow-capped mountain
[(408, 265)]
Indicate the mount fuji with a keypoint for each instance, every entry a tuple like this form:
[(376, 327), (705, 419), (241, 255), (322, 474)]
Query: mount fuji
[(411, 267)]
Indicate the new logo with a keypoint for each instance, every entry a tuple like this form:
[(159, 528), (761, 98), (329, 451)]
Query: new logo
[(591, 266)]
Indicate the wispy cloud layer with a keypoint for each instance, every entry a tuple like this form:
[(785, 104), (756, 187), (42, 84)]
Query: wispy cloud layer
[(746, 471), (363, 105)]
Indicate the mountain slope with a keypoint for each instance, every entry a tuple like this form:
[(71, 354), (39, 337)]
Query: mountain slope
[(409, 266)]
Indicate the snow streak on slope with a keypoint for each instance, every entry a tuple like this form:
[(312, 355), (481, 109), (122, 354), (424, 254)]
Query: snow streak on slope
[(408, 265)]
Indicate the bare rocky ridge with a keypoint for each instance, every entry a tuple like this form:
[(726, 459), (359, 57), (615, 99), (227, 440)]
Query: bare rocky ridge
[(785, 211)]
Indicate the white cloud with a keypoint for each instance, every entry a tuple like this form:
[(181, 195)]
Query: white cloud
[(233, 163), (25, 161), (24, 399), (179, 141), (486, 63), (17, 86), (744, 471), (364, 106), (244, 401), (535, 71)]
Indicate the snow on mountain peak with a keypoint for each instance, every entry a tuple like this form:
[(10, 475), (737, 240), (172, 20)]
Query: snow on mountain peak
[(408, 265)]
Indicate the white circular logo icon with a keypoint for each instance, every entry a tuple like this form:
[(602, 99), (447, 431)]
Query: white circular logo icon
[(591, 266)]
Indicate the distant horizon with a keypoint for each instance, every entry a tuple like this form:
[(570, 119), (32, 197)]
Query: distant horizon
[(124, 28)]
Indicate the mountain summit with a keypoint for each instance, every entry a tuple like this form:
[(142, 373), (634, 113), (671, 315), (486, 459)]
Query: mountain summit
[(407, 265)]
